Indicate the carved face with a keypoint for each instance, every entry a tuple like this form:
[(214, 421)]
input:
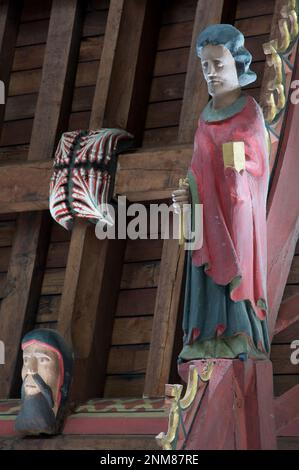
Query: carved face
[(219, 69), (40, 360)]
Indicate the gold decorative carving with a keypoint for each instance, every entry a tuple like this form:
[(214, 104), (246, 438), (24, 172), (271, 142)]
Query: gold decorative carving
[(178, 405), (274, 99), (206, 373)]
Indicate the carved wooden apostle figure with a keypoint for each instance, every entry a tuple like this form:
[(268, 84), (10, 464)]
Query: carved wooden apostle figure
[(46, 374), (225, 299)]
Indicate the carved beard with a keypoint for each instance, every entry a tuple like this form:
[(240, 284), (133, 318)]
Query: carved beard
[(36, 415)]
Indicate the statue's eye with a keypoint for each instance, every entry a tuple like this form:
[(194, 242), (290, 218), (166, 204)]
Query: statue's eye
[(219, 65), (43, 360), (204, 65)]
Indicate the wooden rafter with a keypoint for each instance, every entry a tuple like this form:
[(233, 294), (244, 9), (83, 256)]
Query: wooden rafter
[(28, 258), (173, 256), (25, 186), (283, 210), (94, 267), (288, 314), (9, 23), (287, 413)]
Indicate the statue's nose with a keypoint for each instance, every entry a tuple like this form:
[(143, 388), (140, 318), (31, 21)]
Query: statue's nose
[(31, 366), (211, 70)]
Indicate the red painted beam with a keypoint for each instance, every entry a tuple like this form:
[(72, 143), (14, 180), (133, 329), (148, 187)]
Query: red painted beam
[(287, 413), (283, 211), (288, 313)]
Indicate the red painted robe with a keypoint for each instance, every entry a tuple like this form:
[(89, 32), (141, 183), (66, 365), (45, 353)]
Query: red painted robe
[(234, 205)]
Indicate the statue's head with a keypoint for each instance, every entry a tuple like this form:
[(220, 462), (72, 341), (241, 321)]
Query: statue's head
[(225, 61), (46, 375)]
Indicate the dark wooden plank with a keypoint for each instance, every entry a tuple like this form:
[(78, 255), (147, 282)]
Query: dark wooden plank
[(59, 234), (3, 277), (160, 137), (163, 114), (7, 231), (177, 11), (124, 386), (140, 275), (289, 291), (36, 10), (127, 360), (48, 308), (31, 57), (136, 302), (167, 88), (247, 9), (175, 35), (87, 73), (16, 132), (91, 48), (171, 62), (97, 5), (194, 99), (9, 23), (255, 26), (258, 68), (53, 281), (57, 255), (294, 271), (23, 106), (28, 57), (14, 153), (22, 289), (143, 250), (79, 120), (132, 330), (95, 23), (4, 258), (20, 107), (33, 32), (24, 82)]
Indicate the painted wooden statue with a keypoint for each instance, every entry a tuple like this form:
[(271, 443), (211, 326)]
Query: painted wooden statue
[(225, 311), (46, 374)]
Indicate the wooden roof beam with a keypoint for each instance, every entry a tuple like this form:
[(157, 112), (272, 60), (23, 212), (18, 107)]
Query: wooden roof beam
[(25, 273), (287, 413), (142, 175), (10, 12), (163, 347), (94, 267)]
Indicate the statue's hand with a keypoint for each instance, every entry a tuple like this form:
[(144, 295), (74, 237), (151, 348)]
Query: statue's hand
[(181, 196)]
